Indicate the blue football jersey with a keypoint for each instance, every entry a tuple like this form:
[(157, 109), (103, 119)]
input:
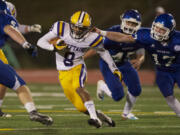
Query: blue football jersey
[(119, 51), (164, 54), (5, 19)]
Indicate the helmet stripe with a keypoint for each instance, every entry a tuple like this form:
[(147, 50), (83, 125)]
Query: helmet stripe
[(81, 17)]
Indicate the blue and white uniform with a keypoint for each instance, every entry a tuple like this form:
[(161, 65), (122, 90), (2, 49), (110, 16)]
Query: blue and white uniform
[(166, 57), (8, 75), (119, 53)]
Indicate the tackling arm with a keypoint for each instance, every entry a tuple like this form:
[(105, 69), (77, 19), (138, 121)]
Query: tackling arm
[(14, 34), (19, 38), (116, 36)]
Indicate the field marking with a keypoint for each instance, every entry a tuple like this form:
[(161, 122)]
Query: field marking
[(89, 128), (39, 94), (106, 112), (6, 129)]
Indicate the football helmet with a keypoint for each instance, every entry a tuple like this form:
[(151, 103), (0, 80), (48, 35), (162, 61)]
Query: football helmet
[(163, 27), (12, 9), (80, 25), (130, 21)]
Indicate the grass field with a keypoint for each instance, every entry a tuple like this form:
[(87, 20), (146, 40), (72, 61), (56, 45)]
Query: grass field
[(155, 117)]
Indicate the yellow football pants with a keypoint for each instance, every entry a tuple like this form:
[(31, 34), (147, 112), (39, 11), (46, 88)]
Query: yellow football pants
[(3, 57), (70, 80)]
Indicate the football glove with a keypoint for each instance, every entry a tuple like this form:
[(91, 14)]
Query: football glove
[(118, 74), (31, 49), (35, 28)]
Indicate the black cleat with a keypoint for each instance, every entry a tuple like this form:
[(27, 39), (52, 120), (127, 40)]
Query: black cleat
[(104, 118), (2, 114), (94, 122), (44, 119)]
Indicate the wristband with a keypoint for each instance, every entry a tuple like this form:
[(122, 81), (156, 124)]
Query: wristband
[(103, 33), (25, 45)]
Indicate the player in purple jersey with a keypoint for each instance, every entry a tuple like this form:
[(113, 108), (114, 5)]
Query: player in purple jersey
[(8, 76), (162, 42)]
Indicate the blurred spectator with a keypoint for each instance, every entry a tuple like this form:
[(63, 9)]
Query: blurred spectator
[(159, 10)]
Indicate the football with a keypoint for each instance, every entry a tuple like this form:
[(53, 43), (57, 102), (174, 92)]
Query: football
[(58, 43)]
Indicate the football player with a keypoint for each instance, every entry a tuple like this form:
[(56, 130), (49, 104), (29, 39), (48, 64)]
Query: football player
[(162, 42), (11, 9), (9, 78), (75, 39), (130, 23)]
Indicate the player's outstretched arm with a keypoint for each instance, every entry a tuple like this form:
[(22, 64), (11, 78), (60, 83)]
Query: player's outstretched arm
[(19, 38), (115, 36), (14, 34)]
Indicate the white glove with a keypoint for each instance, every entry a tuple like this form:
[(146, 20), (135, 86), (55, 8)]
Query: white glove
[(34, 28)]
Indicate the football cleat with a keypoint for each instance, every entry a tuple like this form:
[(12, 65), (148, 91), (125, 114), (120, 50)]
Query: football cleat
[(104, 118), (129, 116), (95, 122), (44, 119), (100, 93), (2, 114)]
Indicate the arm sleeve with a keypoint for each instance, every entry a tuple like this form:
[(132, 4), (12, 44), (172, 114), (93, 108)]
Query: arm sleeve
[(43, 42), (22, 28), (104, 54)]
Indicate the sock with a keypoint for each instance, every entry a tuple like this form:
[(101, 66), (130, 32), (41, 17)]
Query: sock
[(130, 101), (30, 107), (91, 109), (105, 88), (174, 104), (1, 101)]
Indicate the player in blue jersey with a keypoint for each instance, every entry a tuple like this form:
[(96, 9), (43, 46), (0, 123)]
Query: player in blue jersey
[(11, 9), (8, 76), (162, 42), (131, 22)]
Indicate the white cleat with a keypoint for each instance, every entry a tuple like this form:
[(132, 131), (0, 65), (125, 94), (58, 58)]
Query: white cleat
[(129, 116), (100, 93), (5, 115)]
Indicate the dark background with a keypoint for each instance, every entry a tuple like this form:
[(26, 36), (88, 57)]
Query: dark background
[(105, 13)]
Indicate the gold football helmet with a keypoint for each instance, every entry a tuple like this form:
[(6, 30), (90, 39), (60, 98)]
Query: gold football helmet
[(80, 25)]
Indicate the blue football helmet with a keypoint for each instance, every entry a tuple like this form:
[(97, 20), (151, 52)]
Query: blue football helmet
[(131, 21), (163, 27)]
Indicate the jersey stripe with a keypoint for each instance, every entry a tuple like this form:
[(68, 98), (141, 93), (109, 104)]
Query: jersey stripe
[(60, 26), (97, 41)]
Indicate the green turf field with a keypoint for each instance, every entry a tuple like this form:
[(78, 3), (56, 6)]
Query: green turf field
[(156, 118)]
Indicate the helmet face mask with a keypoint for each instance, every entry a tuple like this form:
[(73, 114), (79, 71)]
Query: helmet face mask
[(131, 21), (78, 32), (80, 25), (159, 32), (163, 27)]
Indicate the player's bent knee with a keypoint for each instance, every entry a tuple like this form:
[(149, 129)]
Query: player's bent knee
[(118, 98), (81, 109)]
